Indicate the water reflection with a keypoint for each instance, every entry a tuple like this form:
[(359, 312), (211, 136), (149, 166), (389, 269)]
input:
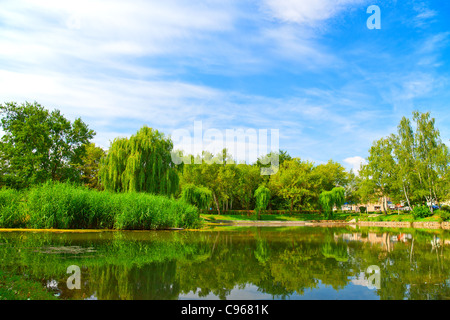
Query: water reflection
[(246, 263)]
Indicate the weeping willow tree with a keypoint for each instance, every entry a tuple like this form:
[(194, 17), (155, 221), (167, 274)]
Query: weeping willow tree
[(198, 196), (141, 163), (329, 199), (262, 195)]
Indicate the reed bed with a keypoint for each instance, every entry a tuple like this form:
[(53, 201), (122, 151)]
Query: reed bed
[(67, 206)]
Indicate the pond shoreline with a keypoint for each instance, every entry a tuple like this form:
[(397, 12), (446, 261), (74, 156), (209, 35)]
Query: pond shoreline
[(274, 223), (331, 223)]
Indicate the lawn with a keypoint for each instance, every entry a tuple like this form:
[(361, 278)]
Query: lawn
[(341, 216), (400, 217), (278, 217)]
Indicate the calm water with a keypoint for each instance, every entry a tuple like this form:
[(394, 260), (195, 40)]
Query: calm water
[(236, 263)]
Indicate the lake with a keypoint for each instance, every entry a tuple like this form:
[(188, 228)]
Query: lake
[(235, 263)]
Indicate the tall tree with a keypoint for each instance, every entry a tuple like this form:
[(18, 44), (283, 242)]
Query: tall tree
[(39, 145), (203, 171), (412, 165), (142, 163), (90, 166), (351, 188), (262, 195), (331, 174), (293, 182), (405, 154), (330, 199), (249, 178), (380, 171), (432, 157)]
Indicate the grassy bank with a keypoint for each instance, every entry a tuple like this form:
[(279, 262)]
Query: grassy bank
[(340, 216), (278, 217), (401, 218), (66, 206)]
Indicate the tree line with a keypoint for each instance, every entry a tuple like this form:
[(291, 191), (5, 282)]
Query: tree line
[(39, 145)]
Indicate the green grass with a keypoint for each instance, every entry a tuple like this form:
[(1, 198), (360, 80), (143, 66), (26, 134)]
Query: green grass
[(278, 217), (66, 206), (400, 218), (340, 216)]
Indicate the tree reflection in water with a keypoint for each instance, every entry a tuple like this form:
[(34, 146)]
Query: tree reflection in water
[(280, 262)]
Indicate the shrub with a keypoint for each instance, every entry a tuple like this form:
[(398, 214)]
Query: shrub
[(362, 209), (421, 212), (445, 208), (443, 214)]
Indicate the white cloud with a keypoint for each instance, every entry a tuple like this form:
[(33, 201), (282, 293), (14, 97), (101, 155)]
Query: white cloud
[(306, 11), (355, 163), (112, 103), (50, 32), (425, 15)]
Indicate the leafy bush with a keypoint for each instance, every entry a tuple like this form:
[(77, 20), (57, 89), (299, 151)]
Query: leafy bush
[(443, 214), (421, 212), (362, 209), (445, 208)]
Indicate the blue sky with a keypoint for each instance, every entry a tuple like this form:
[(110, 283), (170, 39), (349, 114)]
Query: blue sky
[(311, 69)]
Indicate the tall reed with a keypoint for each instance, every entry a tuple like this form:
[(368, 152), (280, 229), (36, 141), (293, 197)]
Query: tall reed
[(12, 214), (67, 206)]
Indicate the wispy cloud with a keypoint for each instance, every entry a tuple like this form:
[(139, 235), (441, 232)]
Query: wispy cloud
[(306, 12)]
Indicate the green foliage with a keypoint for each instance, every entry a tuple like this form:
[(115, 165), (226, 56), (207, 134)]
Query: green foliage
[(262, 195), (198, 196), (39, 145), (362, 209), (421, 212), (445, 208), (141, 211), (330, 199), (66, 206), (294, 182), (444, 214), (338, 196), (11, 214), (378, 174), (326, 201), (90, 166), (141, 163)]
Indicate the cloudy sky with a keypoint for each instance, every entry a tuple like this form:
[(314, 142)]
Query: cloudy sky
[(310, 69)]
